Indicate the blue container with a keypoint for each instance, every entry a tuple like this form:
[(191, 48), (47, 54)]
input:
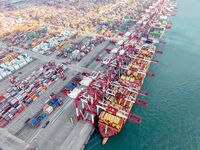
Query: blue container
[(29, 101), (41, 117), (33, 121), (71, 85), (15, 105), (13, 94)]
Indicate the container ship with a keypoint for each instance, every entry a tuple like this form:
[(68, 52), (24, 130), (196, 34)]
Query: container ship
[(122, 95)]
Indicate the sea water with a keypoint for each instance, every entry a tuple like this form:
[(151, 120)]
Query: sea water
[(172, 119)]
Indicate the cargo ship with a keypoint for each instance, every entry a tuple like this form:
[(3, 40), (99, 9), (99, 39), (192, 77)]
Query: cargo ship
[(122, 95), (119, 100)]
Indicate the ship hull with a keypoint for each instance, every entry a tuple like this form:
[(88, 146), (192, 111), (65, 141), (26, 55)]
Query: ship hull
[(106, 131)]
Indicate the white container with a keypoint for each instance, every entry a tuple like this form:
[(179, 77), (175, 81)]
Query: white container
[(7, 63), (3, 74), (9, 72), (3, 65), (24, 63), (19, 97), (48, 109), (13, 101), (35, 50), (7, 95), (11, 68), (14, 61), (21, 65), (1, 71)]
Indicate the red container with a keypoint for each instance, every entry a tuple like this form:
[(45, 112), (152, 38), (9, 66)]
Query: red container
[(34, 97), (1, 97), (15, 115), (26, 98), (21, 107), (36, 85), (7, 95), (6, 108), (3, 123), (31, 94), (36, 125)]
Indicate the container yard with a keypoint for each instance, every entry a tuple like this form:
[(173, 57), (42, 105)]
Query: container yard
[(68, 67)]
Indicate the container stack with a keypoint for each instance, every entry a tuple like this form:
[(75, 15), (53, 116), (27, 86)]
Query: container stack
[(76, 51), (49, 46), (23, 92), (26, 39)]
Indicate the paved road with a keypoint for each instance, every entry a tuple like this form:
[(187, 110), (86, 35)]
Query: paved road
[(77, 136), (10, 142), (56, 132)]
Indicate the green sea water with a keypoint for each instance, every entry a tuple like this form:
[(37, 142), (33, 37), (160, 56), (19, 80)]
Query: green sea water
[(172, 119)]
